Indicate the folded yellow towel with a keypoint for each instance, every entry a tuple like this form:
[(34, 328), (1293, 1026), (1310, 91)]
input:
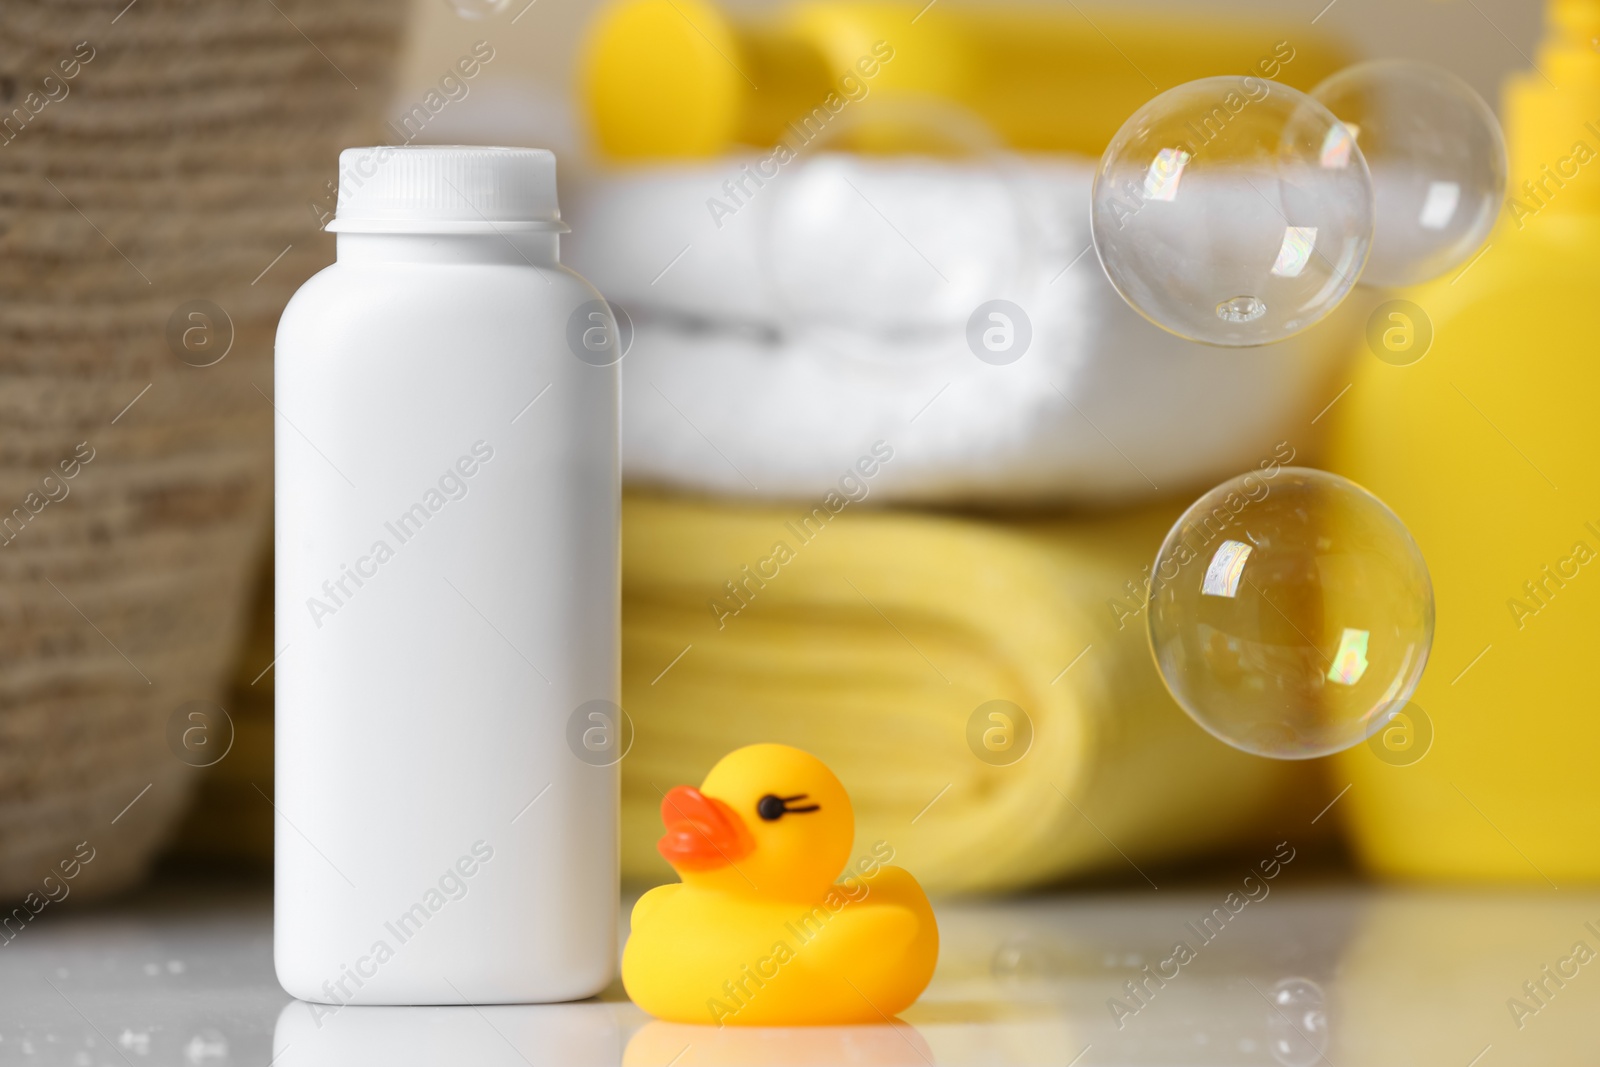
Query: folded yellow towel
[(871, 638)]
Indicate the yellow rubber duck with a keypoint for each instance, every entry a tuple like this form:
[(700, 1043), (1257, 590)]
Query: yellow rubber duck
[(759, 933)]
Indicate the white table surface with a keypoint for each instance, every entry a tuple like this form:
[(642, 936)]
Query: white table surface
[(1415, 977)]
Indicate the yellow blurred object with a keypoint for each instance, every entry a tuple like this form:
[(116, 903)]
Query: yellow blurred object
[(665, 79), (1486, 448), (966, 680)]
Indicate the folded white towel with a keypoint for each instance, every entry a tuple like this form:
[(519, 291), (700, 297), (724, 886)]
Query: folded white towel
[(783, 327)]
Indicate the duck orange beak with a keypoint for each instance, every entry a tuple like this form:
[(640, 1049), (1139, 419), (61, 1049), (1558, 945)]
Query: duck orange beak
[(703, 833)]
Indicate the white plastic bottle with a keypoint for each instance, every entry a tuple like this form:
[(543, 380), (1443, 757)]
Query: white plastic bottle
[(447, 596)]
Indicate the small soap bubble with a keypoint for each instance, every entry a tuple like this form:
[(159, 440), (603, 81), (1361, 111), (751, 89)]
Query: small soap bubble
[(1438, 164), (1025, 959), (1291, 613), (1013, 961), (1241, 309), (1297, 1023), (1233, 211)]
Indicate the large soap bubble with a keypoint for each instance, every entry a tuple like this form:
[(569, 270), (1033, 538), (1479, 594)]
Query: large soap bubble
[(1291, 613), (1233, 211), (1438, 164)]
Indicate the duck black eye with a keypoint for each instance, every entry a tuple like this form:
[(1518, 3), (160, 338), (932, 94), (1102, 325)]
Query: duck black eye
[(772, 808)]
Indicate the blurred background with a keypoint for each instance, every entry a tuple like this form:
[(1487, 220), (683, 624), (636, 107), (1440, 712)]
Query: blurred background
[(533, 93), (799, 206)]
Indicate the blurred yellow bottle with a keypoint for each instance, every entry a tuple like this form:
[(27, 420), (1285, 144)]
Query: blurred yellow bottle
[(1488, 447), (685, 78)]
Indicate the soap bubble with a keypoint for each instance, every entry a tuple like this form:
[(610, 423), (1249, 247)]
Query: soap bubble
[(1438, 164), (1297, 1022), (1026, 960), (1291, 613), (1233, 211)]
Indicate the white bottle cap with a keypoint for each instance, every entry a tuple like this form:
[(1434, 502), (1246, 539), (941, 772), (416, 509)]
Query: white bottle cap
[(446, 189)]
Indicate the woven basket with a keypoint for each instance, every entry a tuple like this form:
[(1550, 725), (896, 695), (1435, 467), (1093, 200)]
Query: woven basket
[(175, 164)]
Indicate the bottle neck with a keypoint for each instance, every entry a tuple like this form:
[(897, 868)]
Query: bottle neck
[(535, 249)]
